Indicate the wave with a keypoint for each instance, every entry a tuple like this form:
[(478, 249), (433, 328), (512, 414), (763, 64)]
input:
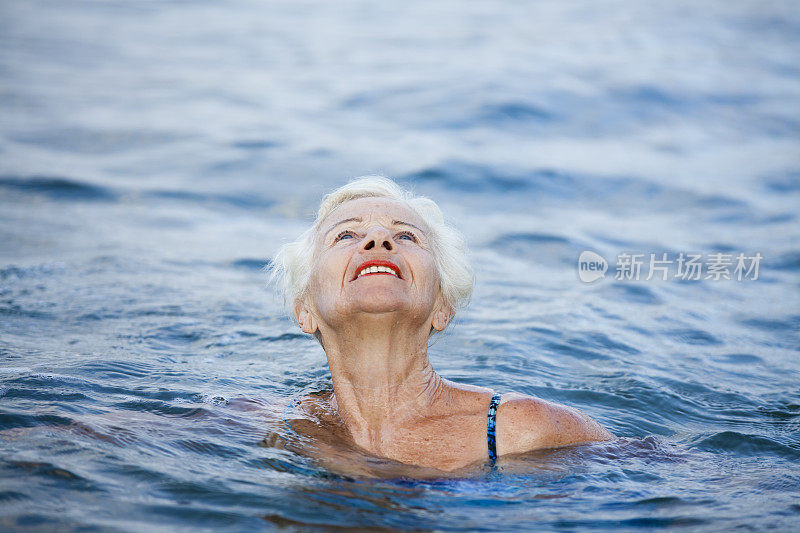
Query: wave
[(58, 188), (743, 444)]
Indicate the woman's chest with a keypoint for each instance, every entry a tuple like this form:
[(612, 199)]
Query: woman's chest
[(445, 443)]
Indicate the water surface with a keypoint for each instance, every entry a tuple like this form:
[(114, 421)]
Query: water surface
[(154, 155)]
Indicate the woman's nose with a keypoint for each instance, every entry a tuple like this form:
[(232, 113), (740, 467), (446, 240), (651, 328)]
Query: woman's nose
[(377, 237)]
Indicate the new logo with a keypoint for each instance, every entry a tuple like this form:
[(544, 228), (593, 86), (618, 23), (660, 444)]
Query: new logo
[(591, 266)]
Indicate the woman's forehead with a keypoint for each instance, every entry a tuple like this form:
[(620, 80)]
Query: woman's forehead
[(383, 210)]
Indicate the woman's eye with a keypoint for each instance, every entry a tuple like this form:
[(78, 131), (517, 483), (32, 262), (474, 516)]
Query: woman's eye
[(407, 235), (344, 235)]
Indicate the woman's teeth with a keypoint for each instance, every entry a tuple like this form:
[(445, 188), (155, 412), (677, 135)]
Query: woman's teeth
[(377, 270)]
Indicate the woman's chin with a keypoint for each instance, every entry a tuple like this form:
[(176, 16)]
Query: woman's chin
[(379, 302), (378, 306)]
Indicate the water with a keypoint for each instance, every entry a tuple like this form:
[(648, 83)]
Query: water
[(153, 155)]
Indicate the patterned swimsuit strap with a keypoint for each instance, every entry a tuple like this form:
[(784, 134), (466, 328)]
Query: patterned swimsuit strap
[(491, 423)]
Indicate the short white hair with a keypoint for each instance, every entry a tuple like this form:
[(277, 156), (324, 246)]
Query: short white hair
[(290, 269)]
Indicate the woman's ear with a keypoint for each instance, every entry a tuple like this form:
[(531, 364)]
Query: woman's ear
[(304, 317), (442, 317)]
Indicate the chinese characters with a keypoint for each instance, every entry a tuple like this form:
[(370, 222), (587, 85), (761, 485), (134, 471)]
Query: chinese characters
[(688, 267)]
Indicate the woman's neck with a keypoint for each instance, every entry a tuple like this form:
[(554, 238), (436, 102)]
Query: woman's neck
[(382, 379)]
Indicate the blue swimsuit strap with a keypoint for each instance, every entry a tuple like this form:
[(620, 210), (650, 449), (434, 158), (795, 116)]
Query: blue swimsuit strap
[(491, 423)]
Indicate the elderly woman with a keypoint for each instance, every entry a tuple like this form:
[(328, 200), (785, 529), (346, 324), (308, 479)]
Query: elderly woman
[(373, 279)]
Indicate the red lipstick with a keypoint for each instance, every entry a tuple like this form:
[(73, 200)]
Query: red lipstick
[(377, 262)]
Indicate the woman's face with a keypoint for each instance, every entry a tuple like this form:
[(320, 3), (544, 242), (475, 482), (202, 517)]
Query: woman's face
[(373, 255)]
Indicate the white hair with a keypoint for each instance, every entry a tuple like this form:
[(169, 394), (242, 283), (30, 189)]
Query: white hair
[(290, 270)]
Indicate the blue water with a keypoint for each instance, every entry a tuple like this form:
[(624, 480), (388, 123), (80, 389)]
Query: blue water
[(153, 156)]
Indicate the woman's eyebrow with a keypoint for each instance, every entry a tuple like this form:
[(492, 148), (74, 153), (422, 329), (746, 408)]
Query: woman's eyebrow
[(353, 219), (401, 223)]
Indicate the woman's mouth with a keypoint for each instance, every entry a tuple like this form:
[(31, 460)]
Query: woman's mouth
[(378, 267)]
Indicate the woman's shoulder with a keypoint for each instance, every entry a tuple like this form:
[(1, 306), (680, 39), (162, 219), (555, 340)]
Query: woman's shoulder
[(526, 423)]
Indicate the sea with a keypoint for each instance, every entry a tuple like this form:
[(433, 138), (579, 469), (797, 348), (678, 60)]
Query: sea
[(626, 174)]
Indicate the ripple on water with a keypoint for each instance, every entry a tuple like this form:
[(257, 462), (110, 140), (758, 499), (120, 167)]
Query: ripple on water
[(10, 496), (661, 502), (782, 411), (467, 177), (212, 449), (58, 188), (46, 395), (116, 370), (61, 388), (50, 470), (635, 293), (95, 141), (693, 336), (745, 444), (255, 144), (162, 408), (786, 261), (244, 200), (543, 248), (39, 271), (526, 188), (251, 264), (788, 324), (739, 359), (604, 341), (534, 186), (11, 418), (283, 337), (181, 334), (575, 348), (788, 182), (13, 310), (513, 112), (157, 310)]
